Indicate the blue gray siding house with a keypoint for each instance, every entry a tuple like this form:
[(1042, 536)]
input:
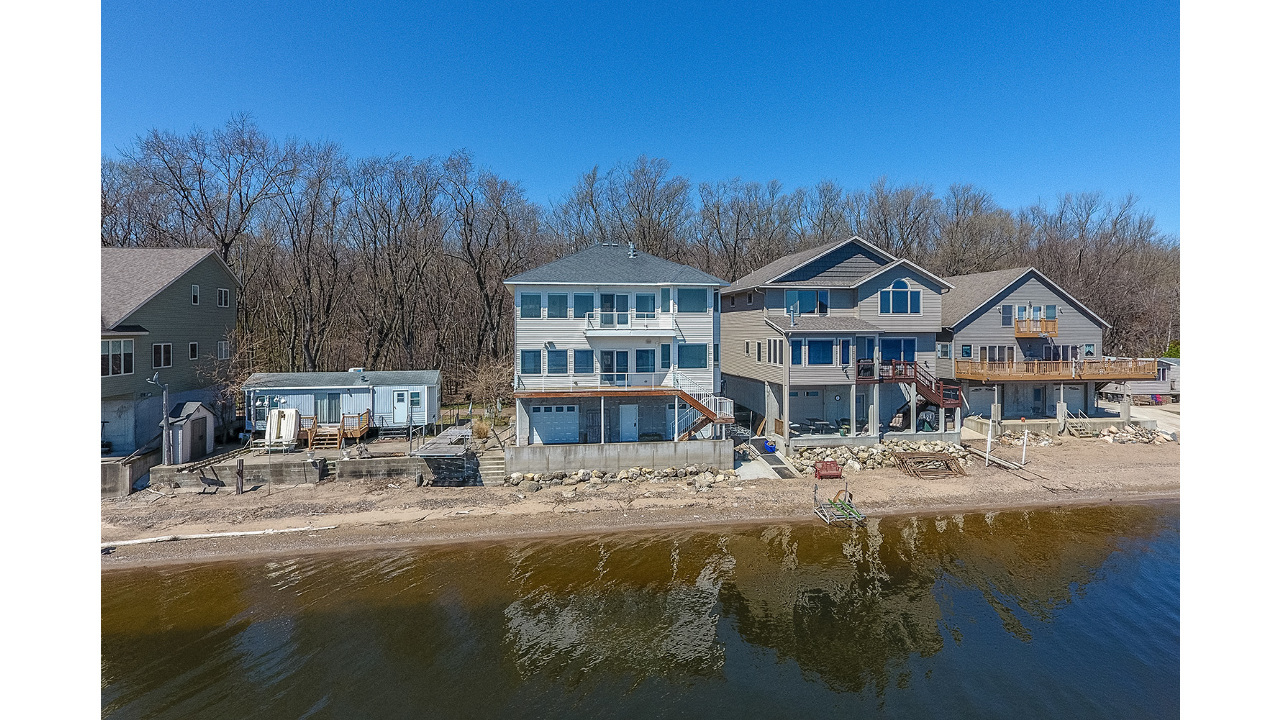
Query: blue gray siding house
[(394, 398)]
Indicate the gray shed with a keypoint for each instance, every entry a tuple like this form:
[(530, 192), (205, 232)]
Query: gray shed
[(394, 398), (191, 427)]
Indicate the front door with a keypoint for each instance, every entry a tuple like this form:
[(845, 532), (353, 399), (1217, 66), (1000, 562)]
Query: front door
[(199, 437), (628, 423), (400, 407)]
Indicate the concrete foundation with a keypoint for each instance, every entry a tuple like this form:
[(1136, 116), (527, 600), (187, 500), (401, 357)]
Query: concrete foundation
[(118, 478), (613, 457), (950, 436), (1048, 425)]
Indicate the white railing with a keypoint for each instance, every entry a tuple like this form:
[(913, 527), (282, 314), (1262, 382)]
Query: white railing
[(721, 406), (591, 381), (631, 320)]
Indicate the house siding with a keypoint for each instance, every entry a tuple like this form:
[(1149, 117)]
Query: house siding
[(928, 320), (842, 266), (983, 326), (170, 317)]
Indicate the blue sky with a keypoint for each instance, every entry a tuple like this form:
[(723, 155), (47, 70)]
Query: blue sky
[(1027, 100)]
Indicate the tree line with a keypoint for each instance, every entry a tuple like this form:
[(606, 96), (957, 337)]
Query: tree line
[(396, 262)]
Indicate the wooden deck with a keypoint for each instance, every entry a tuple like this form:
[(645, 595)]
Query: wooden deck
[(1035, 328), (1055, 370), (332, 435)]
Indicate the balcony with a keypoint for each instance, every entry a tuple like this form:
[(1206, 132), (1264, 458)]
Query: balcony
[(1055, 370), (1035, 328), (662, 383), (631, 324)]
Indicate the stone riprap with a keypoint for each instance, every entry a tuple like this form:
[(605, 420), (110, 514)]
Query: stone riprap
[(699, 477), (872, 456), (1128, 434)]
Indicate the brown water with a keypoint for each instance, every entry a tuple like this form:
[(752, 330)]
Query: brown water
[(1056, 613)]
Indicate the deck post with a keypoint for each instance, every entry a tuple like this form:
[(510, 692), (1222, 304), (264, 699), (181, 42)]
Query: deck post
[(911, 393), (873, 413), (853, 400), (602, 419)]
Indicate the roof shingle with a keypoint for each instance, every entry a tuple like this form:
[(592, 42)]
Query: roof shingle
[(971, 291), (612, 265), (367, 378), (132, 276)]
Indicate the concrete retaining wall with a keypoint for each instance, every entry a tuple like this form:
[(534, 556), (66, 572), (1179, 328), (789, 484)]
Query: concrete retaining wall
[(118, 479), (613, 457), (1050, 425)]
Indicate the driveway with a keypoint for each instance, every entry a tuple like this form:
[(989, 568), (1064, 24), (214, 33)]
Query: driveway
[(1167, 417)]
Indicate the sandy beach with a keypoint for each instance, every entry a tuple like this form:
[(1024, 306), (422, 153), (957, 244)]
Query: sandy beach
[(389, 514)]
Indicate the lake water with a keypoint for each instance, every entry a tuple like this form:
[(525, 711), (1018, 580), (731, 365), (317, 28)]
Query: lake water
[(1045, 614)]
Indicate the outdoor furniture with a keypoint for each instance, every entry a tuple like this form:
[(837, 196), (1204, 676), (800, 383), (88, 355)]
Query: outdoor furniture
[(822, 427), (798, 429), (826, 469)]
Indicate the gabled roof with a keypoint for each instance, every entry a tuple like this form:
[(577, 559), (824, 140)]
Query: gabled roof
[(368, 378), (788, 263), (907, 264), (132, 276), (973, 291), (817, 323), (613, 265), (184, 410)]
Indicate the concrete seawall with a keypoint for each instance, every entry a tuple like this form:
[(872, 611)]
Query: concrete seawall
[(612, 457)]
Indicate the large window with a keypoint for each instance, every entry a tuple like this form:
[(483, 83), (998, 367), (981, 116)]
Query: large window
[(646, 305), (224, 349), (117, 357), (557, 305), (691, 300), (1050, 312), (224, 297), (807, 302), (846, 346), (820, 352), (797, 352), (614, 309), (584, 362), (1006, 316), (691, 355), (162, 355), (666, 299), (646, 360), (900, 299), (583, 304), (666, 356), (557, 362), (530, 305), (531, 362)]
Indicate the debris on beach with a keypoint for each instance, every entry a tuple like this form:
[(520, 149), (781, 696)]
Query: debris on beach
[(1130, 434), (699, 477), (870, 457), (1034, 438)]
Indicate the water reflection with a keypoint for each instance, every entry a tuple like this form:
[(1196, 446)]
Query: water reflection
[(830, 619)]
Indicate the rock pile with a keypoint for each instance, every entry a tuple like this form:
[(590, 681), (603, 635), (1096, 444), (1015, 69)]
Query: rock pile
[(699, 477), (1033, 439), (869, 457), (1136, 434)]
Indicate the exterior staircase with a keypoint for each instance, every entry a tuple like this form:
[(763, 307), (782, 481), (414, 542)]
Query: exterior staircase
[(714, 408), (327, 439), (1079, 428), (939, 393), (493, 467)]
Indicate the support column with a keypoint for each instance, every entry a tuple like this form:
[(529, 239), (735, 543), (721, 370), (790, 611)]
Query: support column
[(519, 404), (601, 419), (786, 411), (996, 411), (1124, 407), (911, 398), (1062, 408), (1090, 403), (873, 413), (853, 404)]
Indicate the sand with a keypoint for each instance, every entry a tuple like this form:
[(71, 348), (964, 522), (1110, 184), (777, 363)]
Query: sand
[(392, 514)]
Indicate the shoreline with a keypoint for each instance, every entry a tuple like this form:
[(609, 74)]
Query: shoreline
[(375, 516)]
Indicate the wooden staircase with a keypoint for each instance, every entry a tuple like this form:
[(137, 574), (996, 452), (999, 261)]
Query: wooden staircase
[(326, 438), (938, 393)]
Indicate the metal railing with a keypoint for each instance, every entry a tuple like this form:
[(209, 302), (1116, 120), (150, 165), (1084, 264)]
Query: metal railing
[(629, 320), (570, 382)]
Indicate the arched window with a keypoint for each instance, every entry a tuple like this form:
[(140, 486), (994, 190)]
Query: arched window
[(900, 299)]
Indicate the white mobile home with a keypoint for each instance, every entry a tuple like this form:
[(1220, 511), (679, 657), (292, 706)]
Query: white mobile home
[(393, 398)]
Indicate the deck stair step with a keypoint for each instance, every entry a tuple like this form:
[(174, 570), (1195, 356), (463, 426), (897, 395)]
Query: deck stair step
[(1079, 428), (493, 467), (327, 440), (393, 432)]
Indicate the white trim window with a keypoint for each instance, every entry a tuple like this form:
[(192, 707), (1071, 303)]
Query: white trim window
[(807, 302), (224, 297), (900, 299), (161, 355), (117, 357), (530, 306), (944, 351), (193, 351), (1090, 350), (224, 349), (195, 294)]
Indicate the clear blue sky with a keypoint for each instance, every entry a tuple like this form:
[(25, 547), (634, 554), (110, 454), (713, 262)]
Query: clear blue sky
[(1027, 100)]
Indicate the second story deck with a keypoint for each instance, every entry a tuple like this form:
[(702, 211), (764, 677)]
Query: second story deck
[(1055, 370)]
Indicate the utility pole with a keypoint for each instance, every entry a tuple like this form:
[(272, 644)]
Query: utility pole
[(165, 440)]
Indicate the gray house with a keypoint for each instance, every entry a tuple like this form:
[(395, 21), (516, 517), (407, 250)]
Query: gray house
[(1021, 347), (836, 344), (165, 311), (1165, 387), (392, 399)]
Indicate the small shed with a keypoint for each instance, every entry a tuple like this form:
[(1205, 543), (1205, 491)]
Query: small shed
[(393, 398), (191, 426)]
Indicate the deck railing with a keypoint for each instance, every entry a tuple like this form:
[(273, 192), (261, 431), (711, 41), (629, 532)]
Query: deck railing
[(1035, 328), (1056, 369)]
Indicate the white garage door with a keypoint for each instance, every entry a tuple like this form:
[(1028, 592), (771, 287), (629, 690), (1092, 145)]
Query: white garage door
[(117, 416), (979, 399), (553, 424)]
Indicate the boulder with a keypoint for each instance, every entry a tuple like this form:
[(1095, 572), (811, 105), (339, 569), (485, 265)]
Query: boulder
[(530, 486)]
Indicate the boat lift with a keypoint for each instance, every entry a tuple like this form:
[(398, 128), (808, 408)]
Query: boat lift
[(839, 509)]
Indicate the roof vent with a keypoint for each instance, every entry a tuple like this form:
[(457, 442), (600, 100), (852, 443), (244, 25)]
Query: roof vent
[(360, 369), (631, 248)]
